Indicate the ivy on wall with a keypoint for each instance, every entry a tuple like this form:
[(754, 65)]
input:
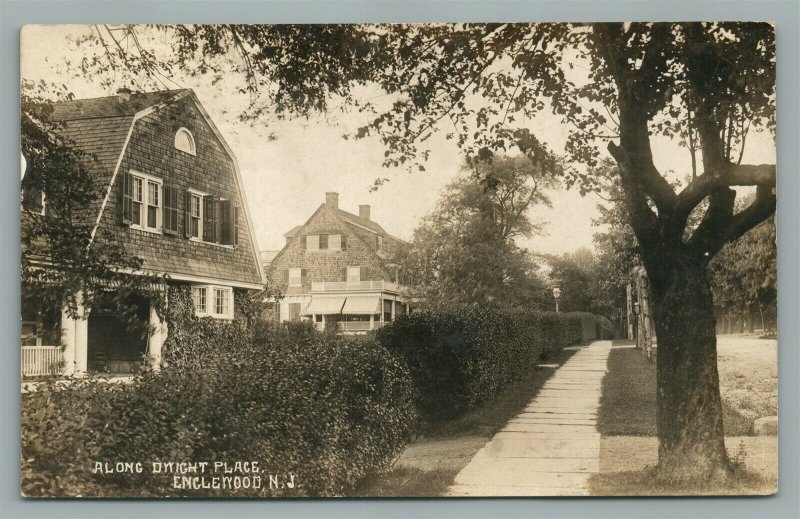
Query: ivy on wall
[(190, 338)]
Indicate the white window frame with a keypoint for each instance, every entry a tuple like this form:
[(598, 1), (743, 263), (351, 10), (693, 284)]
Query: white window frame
[(202, 292), (357, 276), (145, 201), (199, 194), (379, 243), (226, 313), (312, 242), (211, 292), (298, 277), (192, 143), (338, 242)]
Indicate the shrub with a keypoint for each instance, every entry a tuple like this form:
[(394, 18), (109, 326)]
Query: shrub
[(325, 409), (460, 357)]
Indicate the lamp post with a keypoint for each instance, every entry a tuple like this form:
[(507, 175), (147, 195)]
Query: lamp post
[(556, 295)]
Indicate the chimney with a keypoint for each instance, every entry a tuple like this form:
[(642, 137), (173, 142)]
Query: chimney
[(124, 94), (363, 211), (332, 199)]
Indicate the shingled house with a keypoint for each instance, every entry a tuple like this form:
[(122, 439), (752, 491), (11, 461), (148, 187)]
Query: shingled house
[(172, 194), (337, 271)]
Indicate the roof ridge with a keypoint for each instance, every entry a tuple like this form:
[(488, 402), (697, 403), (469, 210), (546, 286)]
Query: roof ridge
[(77, 100)]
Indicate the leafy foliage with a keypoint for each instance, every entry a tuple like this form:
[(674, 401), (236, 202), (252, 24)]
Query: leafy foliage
[(574, 273), (464, 355), (744, 273), (322, 408), (464, 250)]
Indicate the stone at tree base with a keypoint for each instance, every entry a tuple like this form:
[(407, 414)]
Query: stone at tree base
[(766, 426)]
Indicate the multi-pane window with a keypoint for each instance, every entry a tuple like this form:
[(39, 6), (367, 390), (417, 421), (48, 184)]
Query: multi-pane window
[(213, 301), (312, 242), (295, 277), (153, 204), (144, 196), (210, 218), (184, 141), (195, 214), (199, 298), (221, 304), (138, 198), (335, 241), (379, 242)]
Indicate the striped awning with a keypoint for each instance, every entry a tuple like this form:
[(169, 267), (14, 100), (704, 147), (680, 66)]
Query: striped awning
[(362, 305), (324, 305)]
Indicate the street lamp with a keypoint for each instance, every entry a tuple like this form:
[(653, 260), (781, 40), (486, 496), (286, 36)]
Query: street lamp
[(556, 295)]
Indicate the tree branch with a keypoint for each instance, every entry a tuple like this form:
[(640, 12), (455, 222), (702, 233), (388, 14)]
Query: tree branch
[(710, 243), (634, 152), (732, 175)]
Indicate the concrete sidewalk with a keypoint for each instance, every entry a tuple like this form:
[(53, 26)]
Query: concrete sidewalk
[(552, 447)]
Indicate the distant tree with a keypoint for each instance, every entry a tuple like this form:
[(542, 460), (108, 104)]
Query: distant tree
[(68, 262), (464, 250), (574, 273), (744, 278)]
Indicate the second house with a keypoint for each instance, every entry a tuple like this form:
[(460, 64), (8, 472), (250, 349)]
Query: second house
[(337, 270)]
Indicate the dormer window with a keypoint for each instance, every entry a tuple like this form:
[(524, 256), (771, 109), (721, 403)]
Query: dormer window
[(184, 141)]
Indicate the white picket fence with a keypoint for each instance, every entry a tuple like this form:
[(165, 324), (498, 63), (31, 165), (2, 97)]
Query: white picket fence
[(40, 360)]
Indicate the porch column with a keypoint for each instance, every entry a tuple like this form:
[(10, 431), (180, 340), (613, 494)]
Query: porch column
[(68, 341), (82, 341), (156, 339), (371, 322), (74, 338)]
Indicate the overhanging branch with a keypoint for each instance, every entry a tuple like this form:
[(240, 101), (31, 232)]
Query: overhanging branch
[(709, 243), (732, 175)]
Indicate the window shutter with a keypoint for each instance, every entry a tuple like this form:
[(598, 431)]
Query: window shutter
[(209, 218), (303, 276), (225, 222), (165, 205), (303, 244), (217, 220), (126, 199), (323, 242), (344, 241), (236, 226), (170, 210), (344, 274), (187, 214), (363, 273)]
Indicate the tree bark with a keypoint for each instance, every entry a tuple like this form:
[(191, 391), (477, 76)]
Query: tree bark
[(689, 414)]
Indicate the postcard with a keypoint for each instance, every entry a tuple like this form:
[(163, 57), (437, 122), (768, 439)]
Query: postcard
[(398, 260)]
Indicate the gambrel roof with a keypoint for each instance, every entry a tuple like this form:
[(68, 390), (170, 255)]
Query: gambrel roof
[(102, 129)]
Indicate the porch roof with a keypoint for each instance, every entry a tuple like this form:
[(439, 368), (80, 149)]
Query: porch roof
[(356, 305), (324, 305)]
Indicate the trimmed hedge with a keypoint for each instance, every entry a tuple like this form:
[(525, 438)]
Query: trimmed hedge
[(461, 357), (324, 409)]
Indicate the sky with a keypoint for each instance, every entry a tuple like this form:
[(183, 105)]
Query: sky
[(287, 166)]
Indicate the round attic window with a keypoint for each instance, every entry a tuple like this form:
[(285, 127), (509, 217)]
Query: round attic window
[(184, 141)]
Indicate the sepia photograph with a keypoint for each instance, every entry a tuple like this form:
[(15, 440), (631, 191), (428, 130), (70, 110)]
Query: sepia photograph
[(444, 260)]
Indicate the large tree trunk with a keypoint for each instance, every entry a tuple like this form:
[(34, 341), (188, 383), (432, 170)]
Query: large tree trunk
[(689, 415)]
